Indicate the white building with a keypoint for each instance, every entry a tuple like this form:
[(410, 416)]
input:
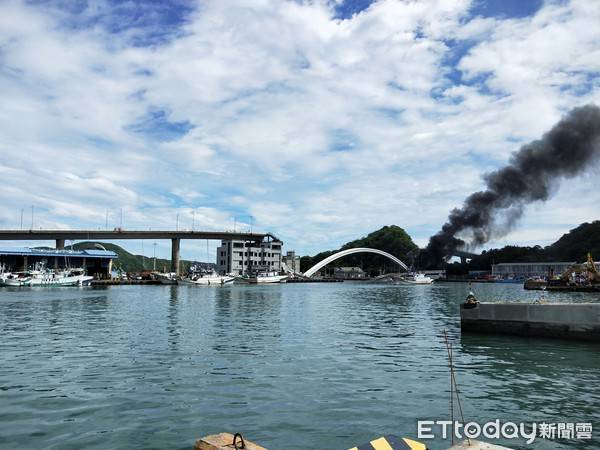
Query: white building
[(292, 261), (240, 257)]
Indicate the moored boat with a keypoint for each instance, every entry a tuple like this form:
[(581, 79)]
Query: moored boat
[(207, 280), (166, 278), (199, 276), (417, 278), (46, 277), (267, 277)]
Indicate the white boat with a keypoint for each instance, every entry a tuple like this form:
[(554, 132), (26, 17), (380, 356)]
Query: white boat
[(417, 278), (206, 278), (217, 280), (167, 278), (45, 277), (267, 277)]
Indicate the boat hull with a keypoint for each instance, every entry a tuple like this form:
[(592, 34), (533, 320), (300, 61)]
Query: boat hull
[(166, 278), (207, 281), (268, 280)]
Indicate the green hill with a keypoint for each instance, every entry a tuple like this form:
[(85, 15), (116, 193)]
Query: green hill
[(391, 239), (129, 262), (575, 245)]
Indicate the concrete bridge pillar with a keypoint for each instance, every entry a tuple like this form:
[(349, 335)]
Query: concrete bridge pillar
[(175, 255), (60, 244)]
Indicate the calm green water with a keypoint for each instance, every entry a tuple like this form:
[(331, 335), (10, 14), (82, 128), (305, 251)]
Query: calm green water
[(296, 366)]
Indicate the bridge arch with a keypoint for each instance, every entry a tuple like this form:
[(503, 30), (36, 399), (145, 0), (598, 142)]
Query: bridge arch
[(310, 272)]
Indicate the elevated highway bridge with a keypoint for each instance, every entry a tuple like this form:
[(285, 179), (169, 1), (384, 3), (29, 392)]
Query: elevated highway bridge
[(60, 236)]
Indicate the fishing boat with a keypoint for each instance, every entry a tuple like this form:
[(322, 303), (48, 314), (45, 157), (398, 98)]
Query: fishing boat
[(267, 277), (199, 276), (417, 278), (166, 278), (45, 277), (208, 280)]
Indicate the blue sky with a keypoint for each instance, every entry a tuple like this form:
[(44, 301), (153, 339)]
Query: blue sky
[(318, 121)]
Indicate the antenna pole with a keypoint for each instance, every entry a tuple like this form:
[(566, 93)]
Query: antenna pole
[(453, 387)]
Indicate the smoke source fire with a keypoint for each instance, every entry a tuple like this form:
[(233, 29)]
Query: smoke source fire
[(533, 171)]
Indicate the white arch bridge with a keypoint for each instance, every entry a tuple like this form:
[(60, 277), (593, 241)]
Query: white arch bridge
[(310, 272)]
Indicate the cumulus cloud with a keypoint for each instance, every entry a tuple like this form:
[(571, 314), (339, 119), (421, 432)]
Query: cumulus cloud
[(317, 126)]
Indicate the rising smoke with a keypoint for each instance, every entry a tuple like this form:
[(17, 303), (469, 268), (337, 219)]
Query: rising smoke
[(532, 173)]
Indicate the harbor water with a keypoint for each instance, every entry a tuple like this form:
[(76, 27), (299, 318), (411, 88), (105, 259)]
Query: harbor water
[(294, 367)]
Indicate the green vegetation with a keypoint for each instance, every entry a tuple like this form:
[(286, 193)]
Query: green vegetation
[(391, 239), (128, 262), (575, 245)]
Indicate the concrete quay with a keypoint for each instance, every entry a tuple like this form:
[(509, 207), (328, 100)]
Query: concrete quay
[(579, 321)]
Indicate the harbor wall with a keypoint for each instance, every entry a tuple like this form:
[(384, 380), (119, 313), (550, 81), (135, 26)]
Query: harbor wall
[(558, 320)]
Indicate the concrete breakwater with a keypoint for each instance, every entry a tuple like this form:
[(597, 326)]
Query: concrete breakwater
[(558, 320)]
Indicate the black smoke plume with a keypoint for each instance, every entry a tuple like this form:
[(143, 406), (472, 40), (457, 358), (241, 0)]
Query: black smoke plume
[(532, 173)]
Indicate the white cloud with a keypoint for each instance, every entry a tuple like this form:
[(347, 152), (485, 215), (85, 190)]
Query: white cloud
[(320, 128)]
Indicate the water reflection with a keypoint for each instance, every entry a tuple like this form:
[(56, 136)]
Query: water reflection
[(172, 322), (156, 366)]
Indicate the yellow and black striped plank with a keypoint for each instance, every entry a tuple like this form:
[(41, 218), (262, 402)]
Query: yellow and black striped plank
[(391, 442)]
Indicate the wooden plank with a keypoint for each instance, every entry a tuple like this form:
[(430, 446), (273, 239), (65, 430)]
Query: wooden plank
[(223, 441)]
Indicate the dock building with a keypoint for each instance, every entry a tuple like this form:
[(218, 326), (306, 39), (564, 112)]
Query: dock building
[(97, 263), (349, 273), (530, 269), (239, 257)]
